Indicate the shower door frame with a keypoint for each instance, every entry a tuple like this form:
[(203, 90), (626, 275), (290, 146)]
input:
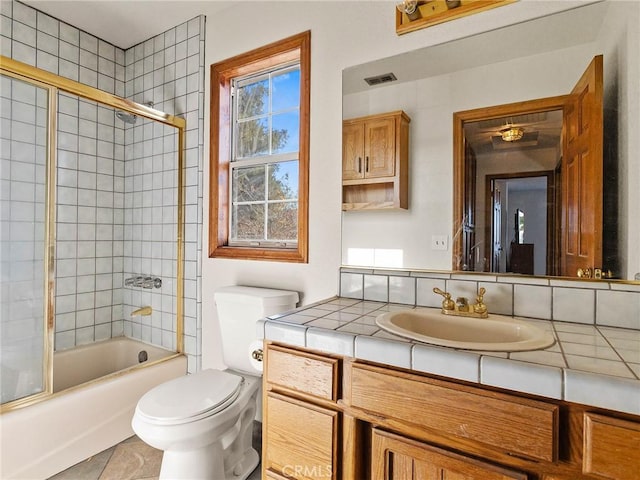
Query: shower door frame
[(49, 238), (55, 83)]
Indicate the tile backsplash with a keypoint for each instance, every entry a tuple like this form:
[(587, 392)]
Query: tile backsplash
[(613, 304)]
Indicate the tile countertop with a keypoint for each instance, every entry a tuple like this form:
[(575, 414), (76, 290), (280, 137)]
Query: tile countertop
[(591, 365)]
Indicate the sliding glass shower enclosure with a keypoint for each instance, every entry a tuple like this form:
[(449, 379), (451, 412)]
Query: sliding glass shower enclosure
[(91, 224)]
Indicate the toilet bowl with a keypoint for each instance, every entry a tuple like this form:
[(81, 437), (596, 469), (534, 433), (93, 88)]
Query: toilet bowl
[(204, 422)]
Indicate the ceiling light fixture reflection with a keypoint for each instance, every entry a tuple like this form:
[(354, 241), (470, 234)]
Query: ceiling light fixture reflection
[(511, 134)]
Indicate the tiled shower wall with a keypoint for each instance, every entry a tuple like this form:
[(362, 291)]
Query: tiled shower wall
[(95, 152), (89, 172), (167, 71), (89, 223)]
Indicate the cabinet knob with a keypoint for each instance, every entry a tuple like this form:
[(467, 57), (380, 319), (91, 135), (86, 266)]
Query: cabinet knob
[(359, 164)]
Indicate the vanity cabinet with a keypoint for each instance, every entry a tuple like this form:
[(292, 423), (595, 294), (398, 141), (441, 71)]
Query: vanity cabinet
[(301, 421), (342, 418), (375, 161)]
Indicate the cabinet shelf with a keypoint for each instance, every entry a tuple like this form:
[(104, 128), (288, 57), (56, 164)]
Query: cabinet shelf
[(368, 181)]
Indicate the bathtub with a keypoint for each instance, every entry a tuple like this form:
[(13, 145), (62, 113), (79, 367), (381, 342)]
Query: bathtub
[(96, 388)]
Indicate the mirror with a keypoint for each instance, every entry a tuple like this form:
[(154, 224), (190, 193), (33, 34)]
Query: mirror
[(537, 59)]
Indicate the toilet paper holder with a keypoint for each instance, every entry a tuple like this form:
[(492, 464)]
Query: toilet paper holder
[(257, 354)]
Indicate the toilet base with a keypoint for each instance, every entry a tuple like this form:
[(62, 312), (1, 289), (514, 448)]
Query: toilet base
[(205, 464)]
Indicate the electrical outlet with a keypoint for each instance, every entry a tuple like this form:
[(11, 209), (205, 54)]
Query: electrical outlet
[(439, 242)]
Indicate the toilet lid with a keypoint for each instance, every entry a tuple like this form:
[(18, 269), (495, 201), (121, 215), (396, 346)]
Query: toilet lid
[(190, 397)]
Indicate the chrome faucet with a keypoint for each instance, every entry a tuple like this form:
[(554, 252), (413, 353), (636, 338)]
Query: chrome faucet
[(461, 306)]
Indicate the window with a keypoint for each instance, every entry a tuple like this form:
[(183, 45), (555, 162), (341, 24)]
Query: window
[(260, 153)]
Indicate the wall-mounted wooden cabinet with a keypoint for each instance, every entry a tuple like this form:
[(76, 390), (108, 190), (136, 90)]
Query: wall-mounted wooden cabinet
[(375, 161)]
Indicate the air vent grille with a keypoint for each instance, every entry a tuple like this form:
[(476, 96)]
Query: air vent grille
[(378, 79)]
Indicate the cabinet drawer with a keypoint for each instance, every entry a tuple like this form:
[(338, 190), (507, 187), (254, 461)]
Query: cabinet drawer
[(302, 372), (611, 447), (301, 439), (525, 427)]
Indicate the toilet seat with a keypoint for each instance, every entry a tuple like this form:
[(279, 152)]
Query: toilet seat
[(189, 398)]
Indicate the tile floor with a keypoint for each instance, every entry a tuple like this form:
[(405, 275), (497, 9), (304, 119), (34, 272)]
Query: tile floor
[(132, 459)]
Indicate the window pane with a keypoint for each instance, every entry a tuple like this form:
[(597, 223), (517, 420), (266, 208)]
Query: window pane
[(283, 221), (253, 99), (248, 222), (248, 184), (286, 132), (283, 180), (286, 91), (252, 138)]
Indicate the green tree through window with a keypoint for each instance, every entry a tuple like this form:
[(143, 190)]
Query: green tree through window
[(264, 195)]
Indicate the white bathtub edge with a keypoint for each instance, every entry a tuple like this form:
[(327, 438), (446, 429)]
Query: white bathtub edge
[(50, 436)]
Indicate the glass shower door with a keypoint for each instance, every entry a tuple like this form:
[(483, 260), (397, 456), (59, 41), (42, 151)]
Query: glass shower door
[(25, 256)]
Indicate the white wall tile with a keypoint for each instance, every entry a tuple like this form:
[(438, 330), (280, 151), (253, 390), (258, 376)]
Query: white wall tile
[(521, 376), (574, 305), (382, 350), (402, 290), (618, 309), (24, 33), (447, 362), (532, 301), (338, 343), (602, 391), (290, 334), (376, 288), (351, 285)]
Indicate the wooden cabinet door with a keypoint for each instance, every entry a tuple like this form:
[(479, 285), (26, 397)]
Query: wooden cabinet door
[(379, 148), (611, 447), (397, 458), (301, 440), (582, 173), (353, 151)]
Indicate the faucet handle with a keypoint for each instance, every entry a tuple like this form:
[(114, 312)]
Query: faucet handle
[(441, 292), (480, 307), (447, 303), (481, 293)]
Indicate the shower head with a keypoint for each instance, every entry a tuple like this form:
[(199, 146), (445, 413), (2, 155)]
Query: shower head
[(126, 117)]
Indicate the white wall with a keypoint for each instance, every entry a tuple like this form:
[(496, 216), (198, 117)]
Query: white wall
[(534, 204), (342, 34), (493, 164)]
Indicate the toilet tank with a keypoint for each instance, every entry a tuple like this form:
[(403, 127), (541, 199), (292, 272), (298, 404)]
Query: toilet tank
[(239, 308)]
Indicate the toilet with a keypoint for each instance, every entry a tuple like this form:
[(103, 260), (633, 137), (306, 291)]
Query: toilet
[(203, 422)]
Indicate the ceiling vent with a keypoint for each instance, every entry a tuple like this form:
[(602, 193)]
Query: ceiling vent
[(378, 79)]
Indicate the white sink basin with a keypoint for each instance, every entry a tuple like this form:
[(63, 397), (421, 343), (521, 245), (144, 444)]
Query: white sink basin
[(497, 333)]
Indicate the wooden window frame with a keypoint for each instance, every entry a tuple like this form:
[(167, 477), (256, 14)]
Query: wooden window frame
[(297, 47)]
